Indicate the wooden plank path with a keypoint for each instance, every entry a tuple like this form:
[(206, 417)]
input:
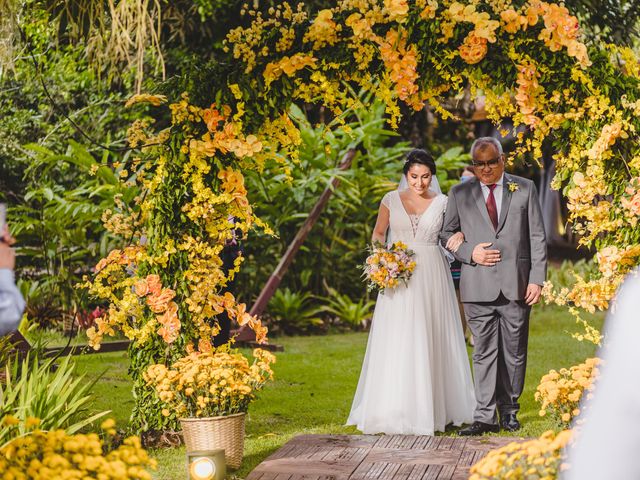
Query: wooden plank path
[(373, 457)]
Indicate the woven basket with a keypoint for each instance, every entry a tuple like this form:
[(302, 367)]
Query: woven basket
[(210, 433)]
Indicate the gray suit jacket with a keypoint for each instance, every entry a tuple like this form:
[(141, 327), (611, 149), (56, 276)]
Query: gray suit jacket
[(519, 237)]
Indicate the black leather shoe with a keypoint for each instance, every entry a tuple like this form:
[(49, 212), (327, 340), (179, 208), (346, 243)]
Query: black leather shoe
[(478, 428), (509, 422)]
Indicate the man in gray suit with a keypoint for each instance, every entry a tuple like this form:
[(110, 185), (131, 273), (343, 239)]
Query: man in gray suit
[(503, 268)]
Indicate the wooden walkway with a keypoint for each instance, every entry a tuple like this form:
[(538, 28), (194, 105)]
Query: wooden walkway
[(372, 457)]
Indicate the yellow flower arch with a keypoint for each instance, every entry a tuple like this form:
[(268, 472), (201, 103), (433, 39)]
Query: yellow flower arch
[(527, 60)]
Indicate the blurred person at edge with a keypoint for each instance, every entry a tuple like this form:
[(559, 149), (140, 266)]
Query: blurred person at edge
[(607, 441), (11, 301)]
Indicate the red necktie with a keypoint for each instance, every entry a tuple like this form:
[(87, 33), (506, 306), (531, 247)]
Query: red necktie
[(492, 209)]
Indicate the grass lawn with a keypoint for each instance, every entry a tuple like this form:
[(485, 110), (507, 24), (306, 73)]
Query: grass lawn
[(315, 382)]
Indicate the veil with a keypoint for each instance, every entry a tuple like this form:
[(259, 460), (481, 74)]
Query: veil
[(434, 187)]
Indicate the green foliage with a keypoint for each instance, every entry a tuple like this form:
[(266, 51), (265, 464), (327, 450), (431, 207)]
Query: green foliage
[(344, 228), (449, 164), (354, 314), (293, 312), (29, 115), (45, 170), (6, 350), (49, 392), (59, 227), (564, 275), (611, 21)]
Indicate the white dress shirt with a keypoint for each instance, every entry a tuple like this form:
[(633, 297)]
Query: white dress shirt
[(11, 302), (497, 193), (609, 441)]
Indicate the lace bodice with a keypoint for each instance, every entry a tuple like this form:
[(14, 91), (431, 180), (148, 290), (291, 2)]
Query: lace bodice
[(415, 220), (413, 228)]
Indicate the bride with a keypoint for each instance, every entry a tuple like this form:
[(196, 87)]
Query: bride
[(415, 376)]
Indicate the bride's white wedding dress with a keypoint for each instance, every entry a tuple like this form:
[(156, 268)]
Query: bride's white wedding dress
[(415, 376)]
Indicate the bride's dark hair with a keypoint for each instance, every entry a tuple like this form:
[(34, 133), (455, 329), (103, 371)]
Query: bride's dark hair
[(419, 156)]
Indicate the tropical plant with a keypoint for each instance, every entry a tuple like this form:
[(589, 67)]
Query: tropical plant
[(51, 393), (41, 309), (140, 38), (57, 187), (449, 165), (6, 351), (60, 228), (49, 99), (292, 312), (610, 21), (344, 227), (567, 273), (354, 314)]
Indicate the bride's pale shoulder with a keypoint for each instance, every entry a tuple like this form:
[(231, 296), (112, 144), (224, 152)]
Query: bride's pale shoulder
[(387, 198), (388, 195)]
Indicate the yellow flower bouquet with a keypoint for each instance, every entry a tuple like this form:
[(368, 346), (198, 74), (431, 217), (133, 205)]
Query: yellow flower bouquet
[(386, 267), (540, 458), (560, 392), (52, 454), (210, 383)]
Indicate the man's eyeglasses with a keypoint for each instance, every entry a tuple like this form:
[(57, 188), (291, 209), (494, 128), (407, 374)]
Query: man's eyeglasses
[(490, 163)]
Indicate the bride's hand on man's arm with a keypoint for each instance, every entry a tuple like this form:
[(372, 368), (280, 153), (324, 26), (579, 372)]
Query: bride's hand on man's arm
[(455, 241)]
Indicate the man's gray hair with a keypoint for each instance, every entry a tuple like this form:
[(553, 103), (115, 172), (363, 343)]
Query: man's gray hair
[(483, 142)]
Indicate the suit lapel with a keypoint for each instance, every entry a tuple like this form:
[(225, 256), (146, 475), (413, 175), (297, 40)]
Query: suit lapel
[(482, 205), (506, 200)]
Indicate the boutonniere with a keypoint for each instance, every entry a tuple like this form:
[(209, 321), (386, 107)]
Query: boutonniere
[(513, 186)]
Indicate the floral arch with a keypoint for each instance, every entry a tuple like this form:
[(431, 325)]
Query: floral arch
[(526, 58)]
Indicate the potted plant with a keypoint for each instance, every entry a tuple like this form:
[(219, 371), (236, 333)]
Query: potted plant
[(210, 391)]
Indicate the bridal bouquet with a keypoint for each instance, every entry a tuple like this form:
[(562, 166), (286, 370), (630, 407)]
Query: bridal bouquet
[(388, 266)]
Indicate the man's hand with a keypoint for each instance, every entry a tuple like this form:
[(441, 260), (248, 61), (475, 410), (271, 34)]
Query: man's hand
[(533, 294), (482, 256), (454, 242), (7, 257)]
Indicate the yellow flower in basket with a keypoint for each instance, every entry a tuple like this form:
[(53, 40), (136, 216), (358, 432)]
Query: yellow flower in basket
[(210, 383)]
